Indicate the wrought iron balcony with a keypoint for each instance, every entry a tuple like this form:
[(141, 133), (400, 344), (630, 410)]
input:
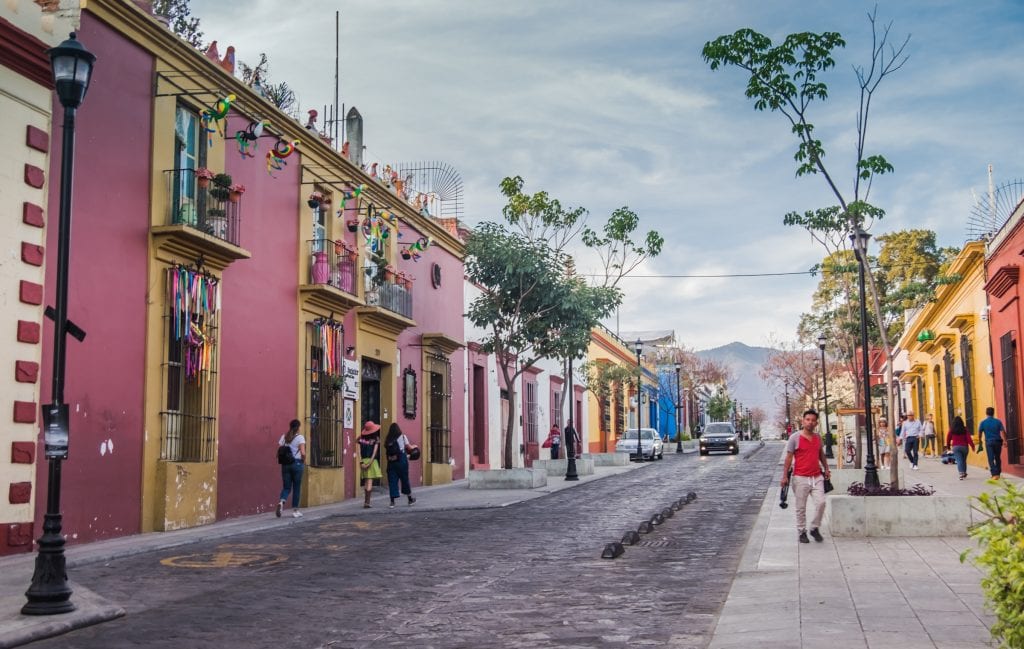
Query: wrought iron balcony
[(203, 205), (332, 263), (385, 290)]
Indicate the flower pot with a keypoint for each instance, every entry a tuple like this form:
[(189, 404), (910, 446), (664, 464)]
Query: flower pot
[(202, 182), (217, 225), (352, 225), (406, 255), (321, 269), (313, 204), (234, 196)]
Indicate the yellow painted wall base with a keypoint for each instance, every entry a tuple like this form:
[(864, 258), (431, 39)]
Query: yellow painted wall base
[(323, 486), (189, 495), (437, 474)]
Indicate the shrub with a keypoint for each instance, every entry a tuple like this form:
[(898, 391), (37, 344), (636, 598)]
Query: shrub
[(858, 489), (1001, 539)]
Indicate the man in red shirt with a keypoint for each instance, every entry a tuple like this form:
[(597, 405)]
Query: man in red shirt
[(806, 455)]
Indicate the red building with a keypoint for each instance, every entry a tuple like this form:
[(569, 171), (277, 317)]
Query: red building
[(219, 309), (1006, 322)]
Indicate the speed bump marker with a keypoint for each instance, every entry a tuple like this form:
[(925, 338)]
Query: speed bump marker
[(224, 560)]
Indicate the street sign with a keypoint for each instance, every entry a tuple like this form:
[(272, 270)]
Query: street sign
[(55, 431)]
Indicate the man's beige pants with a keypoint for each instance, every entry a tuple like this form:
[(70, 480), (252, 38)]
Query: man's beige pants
[(804, 486)]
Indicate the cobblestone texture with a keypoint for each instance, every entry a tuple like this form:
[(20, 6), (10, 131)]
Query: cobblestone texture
[(527, 575)]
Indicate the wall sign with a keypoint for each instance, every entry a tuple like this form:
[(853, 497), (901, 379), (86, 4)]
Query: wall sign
[(409, 393), (350, 385)]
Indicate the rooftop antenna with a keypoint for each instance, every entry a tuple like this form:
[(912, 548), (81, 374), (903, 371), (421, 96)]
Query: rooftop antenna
[(337, 48)]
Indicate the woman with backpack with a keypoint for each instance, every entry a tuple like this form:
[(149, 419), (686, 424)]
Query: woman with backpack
[(369, 459), (291, 453), (395, 445)]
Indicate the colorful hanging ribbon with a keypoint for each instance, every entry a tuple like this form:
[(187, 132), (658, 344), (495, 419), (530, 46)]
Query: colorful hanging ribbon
[(194, 299), (331, 338)]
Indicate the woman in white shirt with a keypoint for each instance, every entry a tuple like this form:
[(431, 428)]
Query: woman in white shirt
[(291, 474)]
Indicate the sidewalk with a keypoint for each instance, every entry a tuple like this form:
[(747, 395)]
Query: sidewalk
[(863, 593), (16, 571)]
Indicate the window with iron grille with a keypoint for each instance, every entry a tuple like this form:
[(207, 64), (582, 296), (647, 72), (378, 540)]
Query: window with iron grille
[(439, 375), (556, 408), (325, 342), (620, 415), (531, 411), (189, 426)]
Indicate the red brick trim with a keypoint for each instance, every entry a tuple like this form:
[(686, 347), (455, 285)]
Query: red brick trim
[(37, 138), (28, 332), (25, 54), (19, 493), (31, 254), (26, 371), (31, 293), (32, 215), (16, 537), (34, 176), (24, 412), (23, 452)]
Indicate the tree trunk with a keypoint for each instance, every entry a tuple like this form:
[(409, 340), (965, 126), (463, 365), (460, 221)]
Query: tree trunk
[(509, 426)]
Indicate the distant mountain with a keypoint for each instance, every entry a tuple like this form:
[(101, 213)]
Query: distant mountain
[(745, 362)]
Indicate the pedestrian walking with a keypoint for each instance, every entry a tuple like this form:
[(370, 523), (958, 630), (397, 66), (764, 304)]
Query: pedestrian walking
[(930, 444), (805, 454), (398, 463), (294, 444), (369, 459), (910, 435), (995, 435), (884, 443), (554, 441), (958, 439)]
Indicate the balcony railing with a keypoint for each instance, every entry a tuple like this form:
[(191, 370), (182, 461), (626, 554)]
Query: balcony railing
[(389, 293), (332, 263), (209, 208)]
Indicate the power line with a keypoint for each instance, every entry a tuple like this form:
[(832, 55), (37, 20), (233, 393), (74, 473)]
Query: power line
[(802, 272)]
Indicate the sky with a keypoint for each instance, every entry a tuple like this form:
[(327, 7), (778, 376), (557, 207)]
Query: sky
[(607, 103)]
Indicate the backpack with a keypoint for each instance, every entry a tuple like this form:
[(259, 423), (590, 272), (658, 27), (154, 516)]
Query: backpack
[(285, 455), (392, 451)]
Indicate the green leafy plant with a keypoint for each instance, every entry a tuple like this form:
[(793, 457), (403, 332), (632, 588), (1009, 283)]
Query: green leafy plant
[(1001, 539)]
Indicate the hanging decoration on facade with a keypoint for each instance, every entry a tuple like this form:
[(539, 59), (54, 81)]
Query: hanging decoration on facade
[(218, 112), (276, 156), (330, 337), (376, 230), (247, 137), (414, 250), (195, 300)]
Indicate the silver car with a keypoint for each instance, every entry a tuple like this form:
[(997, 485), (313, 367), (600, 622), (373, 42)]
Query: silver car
[(651, 446)]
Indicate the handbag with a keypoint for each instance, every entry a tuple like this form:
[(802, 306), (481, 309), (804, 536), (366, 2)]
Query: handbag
[(828, 485), (413, 452)]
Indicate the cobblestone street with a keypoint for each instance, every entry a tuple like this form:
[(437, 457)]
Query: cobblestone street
[(527, 575)]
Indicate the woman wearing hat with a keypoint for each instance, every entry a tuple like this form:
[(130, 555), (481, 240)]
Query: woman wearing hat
[(369, 459)]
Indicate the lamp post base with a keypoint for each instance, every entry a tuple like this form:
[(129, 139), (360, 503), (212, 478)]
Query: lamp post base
[(49, 593), (570, 469), (871, 477)]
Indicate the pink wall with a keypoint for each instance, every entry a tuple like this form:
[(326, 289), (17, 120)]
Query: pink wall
[(107, 290), (259, 358), (435, 310)]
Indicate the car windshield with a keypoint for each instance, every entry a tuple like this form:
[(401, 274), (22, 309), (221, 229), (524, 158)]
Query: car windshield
[(645, 433), (717, 429)]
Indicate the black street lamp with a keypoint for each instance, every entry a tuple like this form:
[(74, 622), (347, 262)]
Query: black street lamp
[(824, 387), (679, 405), (49, 593), (860, 249), (570, 435), (639, 345)]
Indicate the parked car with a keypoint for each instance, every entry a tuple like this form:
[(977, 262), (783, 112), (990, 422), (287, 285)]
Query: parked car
[(651, 445), (719, 436)]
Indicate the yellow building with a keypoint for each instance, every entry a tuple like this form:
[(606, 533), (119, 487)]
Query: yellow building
[(614, 406), (947, 342)]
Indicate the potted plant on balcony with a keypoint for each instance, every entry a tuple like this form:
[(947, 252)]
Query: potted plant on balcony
[(321, 267), (221, 187), (235, 192), (203, 177), (315, 199), (352, 224), (216, 222)]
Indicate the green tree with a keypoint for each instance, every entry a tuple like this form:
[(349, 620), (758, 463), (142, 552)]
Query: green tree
[(720, 406), (180, 20), (530, 308), (785, 79)]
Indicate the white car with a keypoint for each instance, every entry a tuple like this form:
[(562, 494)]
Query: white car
[(651, 446)]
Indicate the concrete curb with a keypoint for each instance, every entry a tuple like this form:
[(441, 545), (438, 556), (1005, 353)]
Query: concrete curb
[(17, 629)]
